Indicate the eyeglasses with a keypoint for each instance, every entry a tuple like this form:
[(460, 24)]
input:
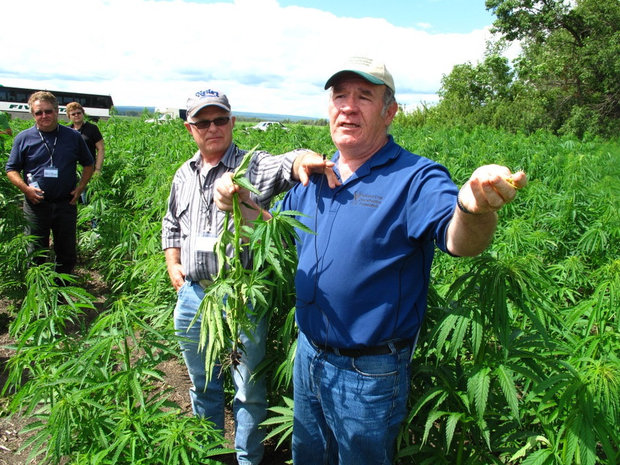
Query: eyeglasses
[(40, 112), (206, 123), (76, 113)]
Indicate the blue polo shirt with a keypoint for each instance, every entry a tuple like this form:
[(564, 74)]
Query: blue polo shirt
[(63, 148), (362, 279)]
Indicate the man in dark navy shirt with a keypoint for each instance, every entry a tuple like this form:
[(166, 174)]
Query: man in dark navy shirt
[(42, 164)]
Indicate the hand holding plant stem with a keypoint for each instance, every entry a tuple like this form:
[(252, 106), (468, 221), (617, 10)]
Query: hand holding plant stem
[(226, 309)]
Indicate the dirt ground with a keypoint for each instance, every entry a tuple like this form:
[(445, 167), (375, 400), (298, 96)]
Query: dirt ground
[(176, 376)]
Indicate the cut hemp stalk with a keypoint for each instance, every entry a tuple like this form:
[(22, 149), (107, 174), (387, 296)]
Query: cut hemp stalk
[(240, 296)]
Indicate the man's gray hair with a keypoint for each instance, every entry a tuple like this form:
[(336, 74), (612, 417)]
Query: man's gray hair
[(388, 99)]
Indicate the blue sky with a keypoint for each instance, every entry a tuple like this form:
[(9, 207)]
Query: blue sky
[(268, 56), (440, 16)]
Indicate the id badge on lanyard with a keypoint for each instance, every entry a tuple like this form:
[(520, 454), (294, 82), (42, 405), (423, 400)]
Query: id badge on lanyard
[(205, 242), (51, 172)]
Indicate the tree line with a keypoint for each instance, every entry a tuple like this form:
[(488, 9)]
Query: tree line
[(564, 80)]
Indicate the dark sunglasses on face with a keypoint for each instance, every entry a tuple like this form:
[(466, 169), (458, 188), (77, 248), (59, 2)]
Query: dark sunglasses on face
[(205, 123), (40, 112)]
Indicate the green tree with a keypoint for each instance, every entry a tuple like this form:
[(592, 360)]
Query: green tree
[(472, 93), (570, 61), (535, 20)]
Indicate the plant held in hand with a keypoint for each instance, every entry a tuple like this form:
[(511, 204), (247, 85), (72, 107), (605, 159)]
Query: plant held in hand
[(239, 298)]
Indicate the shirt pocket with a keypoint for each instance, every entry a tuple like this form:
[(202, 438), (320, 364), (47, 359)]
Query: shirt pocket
[(183, 217)]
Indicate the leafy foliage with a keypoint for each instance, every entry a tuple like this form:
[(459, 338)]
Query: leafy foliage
[(564, 80), (239, 296), (516, 363)]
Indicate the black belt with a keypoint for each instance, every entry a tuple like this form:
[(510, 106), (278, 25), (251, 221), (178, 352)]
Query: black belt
[(374, 350)]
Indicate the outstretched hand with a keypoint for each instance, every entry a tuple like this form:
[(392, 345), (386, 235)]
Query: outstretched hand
[(489, 188)]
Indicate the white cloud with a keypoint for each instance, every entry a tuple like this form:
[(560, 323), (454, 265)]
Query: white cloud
[(267, 58)]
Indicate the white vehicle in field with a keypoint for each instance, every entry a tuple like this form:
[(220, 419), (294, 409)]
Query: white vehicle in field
[(267, 125), (164, 115)]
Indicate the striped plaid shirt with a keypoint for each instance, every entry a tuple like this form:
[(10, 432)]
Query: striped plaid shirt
[(192, 214)]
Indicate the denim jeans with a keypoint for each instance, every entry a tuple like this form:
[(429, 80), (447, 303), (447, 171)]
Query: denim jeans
[(250, 400), (348, 411)]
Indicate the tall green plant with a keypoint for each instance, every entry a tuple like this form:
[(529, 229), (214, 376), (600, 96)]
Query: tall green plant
[(95, 395), (559, 239), (238, 298)]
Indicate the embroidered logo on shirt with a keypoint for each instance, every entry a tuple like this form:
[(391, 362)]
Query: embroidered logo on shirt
[(367, 200)]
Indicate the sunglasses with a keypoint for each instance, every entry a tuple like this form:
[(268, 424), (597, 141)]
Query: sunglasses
[(40, 112), (206, 123)]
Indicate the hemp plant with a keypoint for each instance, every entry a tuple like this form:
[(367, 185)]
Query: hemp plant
[(241, 295)]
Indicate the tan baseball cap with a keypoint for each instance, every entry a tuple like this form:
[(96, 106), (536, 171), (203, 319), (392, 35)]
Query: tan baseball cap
[(368, 68)]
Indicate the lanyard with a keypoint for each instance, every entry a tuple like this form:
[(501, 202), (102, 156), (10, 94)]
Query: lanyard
[(206, 199), (51, 152)]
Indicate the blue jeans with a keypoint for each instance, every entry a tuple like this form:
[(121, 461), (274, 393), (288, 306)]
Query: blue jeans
[(348, 411), (250, 401)]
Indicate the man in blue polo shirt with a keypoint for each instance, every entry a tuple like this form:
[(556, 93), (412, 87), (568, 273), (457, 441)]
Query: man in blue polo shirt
[(48, 154), (362, 279)]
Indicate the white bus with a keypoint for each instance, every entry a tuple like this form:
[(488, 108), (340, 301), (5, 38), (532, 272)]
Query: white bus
[(14, 100)]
